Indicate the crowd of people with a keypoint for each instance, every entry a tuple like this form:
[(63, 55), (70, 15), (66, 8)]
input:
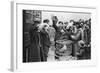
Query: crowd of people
[(70, 38)]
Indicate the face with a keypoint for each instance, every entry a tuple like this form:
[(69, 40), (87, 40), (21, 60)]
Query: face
[(66, 24), (55, 20), (72, 22), (46, 27)]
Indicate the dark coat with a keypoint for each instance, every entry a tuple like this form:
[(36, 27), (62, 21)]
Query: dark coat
[(45, 43), (34, 52), (39, 45)]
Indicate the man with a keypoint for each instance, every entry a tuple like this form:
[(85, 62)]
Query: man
[(75, 37), (70, 24), (54, 21), (45, 40), (35, 54)]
